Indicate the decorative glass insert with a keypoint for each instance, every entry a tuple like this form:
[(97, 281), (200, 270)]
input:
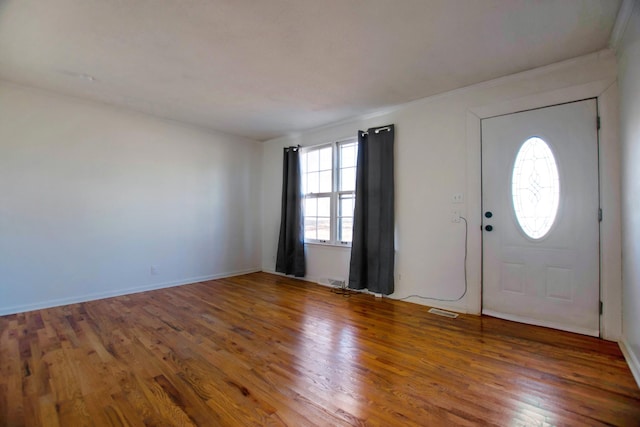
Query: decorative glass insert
[(535, 188)]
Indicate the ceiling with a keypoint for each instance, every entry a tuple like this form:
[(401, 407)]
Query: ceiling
[(267, 68)]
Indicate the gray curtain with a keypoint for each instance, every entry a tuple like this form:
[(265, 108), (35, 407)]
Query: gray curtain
[(290, 258), (372, 249)]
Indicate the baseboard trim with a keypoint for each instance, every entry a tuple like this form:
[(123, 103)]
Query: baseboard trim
[(536, 322), (304, 279), (323, 282), (426, 302), (631, 358), (119, 292)]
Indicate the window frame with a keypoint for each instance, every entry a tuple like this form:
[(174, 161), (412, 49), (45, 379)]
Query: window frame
[(335, 194)]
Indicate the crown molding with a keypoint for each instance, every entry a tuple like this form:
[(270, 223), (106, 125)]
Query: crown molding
[(383, 112), (620, 26)]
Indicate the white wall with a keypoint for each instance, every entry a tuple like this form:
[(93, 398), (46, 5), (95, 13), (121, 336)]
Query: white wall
[(629, 82), (92, 196), (438, 154)]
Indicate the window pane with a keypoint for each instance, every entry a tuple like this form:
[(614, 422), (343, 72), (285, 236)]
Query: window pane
[(310, 228), (313, 161), (325, 181), (345, 229), (346, 205), (311, 207), (324, 206), (348, 179), (348, 154), (326, 162), (345, 220), (312, 183), (324, 229)]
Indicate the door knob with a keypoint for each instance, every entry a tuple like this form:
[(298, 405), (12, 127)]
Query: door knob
[(488, 227), (488, 214)]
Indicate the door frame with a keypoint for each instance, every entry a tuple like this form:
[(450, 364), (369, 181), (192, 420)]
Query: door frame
[(543, 322), (606, 94)]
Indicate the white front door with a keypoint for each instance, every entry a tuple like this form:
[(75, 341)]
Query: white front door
[(540, 217)]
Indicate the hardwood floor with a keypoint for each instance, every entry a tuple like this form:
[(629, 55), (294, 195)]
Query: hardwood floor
[(263, 350)]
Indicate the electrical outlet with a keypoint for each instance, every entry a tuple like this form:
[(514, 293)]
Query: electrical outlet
[(457, 198), (455, 215), (153, 270)]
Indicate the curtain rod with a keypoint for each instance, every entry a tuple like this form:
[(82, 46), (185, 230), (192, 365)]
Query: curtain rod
[(337, 141), (387, 128)]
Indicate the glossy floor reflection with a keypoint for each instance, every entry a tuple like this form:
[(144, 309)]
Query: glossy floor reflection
[(262, 350)]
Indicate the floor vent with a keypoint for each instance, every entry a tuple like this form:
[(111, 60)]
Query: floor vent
[(443, 313), (337, 283)]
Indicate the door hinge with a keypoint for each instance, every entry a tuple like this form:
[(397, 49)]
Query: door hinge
[(600, 307), (598, 122), (600, 215)]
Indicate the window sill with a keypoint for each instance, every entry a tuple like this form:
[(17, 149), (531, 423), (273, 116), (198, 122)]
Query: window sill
[(328, 245)]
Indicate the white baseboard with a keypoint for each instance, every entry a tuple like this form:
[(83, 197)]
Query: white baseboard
[(537, 322), (322, 281), (435, 304), (119, 292), (305, 278), (631, 358)]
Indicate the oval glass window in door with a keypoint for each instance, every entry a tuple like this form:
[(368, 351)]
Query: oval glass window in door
[(535, 188)]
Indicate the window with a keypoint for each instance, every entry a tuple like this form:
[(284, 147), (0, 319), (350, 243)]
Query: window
[(535, 188), (329, 184)]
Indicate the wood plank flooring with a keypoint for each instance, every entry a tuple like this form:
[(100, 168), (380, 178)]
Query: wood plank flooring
[(263, 350)]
